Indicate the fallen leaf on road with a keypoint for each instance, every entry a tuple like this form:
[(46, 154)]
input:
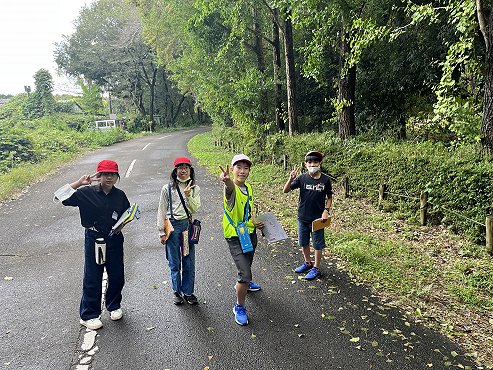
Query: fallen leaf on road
[(8, 278), (354, 339), (301, 335), (210, 357), (150, 328), (253, 336), (210, 329)]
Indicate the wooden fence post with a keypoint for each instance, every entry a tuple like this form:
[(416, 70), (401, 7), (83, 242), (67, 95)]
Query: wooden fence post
[(285, 162), (489, 234), (382, 193), (423, 202), (345, 186)]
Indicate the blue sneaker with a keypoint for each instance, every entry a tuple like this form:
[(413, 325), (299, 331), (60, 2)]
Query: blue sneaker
[(304, 267), (312, 274), (252, 287), (241, 317)]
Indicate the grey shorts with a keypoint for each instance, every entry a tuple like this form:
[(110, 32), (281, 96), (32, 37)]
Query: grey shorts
[(243, 261)]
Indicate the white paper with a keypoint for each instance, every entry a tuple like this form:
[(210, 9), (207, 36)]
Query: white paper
[(273, 230)]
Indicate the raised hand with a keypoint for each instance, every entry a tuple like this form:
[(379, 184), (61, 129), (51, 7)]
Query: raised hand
[(294, 172), (224, 176), (188, 189), (88, 179)]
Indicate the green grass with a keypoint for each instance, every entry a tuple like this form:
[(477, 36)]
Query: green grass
[(28, 173), (425, 270)]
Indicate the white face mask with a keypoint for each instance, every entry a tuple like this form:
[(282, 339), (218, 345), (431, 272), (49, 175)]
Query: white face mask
[(313, 170)]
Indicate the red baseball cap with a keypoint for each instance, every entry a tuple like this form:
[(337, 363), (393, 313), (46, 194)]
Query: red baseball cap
[(107, 166), (182, 160)]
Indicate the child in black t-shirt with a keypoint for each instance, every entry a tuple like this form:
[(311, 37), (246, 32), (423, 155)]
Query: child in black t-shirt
[(314, 202)]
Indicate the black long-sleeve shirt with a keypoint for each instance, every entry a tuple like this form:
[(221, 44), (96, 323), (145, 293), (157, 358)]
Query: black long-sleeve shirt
[(97, 209)]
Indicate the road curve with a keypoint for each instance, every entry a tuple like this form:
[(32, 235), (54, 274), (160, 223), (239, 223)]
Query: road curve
[(329, 323)]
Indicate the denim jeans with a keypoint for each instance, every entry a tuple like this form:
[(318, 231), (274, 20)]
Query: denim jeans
[(181, 268), (304, 232), (90, 303)]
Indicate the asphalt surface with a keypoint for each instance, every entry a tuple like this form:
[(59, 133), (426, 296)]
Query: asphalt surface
[(329, 323)]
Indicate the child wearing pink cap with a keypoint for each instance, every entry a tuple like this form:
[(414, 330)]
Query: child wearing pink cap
[(179, 200)]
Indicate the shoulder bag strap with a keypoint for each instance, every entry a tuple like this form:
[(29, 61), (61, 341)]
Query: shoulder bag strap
[(247, 209), (170, 203), (183, 202)]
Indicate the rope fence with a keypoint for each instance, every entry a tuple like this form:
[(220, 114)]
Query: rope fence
[(383, 193)]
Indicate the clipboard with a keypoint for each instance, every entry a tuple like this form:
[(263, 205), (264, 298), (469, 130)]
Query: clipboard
[(272, 230), (319, 224), (133, 212)]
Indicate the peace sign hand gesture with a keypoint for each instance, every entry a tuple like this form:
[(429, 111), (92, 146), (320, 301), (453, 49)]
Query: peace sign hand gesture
[(294, 172), (224, 176), (188, 189), (85, 180)]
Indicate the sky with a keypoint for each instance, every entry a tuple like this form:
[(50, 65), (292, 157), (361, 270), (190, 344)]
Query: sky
[(28, 31)]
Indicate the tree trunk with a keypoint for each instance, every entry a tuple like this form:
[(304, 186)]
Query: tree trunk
[(173, 120), (485, 18), (167, 99), (259, 51), (347, 85), (152, 88), (290, 76), (277, 67)]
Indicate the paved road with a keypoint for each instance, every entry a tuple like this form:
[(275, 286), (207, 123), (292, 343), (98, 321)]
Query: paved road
[(325, 324)]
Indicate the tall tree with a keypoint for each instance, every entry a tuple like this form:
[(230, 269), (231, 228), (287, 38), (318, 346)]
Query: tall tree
[(290, 75), (485, 18), (108, 48), (41, 102)]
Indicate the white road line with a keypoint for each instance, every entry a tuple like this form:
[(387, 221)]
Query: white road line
[(89, 346), (163, 137), (130, 168), (144, 148)]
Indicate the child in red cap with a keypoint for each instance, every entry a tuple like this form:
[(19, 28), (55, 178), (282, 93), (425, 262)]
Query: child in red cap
[(179, 200), (100, 207)]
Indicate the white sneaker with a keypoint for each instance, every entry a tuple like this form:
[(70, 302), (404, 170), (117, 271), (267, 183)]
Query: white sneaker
[(92, 324), (116, 314)]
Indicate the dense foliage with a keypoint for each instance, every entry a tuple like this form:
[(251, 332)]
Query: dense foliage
[(108, 52), (34, 140), (387, 68), (458, 183)]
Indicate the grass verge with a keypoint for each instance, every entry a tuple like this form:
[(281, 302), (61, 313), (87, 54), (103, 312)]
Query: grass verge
[(437, 278)]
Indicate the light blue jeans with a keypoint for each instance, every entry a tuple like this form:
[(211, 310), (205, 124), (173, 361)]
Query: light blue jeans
[(181, 268)]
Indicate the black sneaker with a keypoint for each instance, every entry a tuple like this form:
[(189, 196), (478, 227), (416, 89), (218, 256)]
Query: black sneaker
[(191, 299), (177, 298)]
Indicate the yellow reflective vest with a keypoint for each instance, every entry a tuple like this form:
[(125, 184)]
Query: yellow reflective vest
[(237, 213)]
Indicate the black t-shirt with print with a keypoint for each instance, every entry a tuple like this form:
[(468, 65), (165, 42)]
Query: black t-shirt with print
[(313, 195)]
